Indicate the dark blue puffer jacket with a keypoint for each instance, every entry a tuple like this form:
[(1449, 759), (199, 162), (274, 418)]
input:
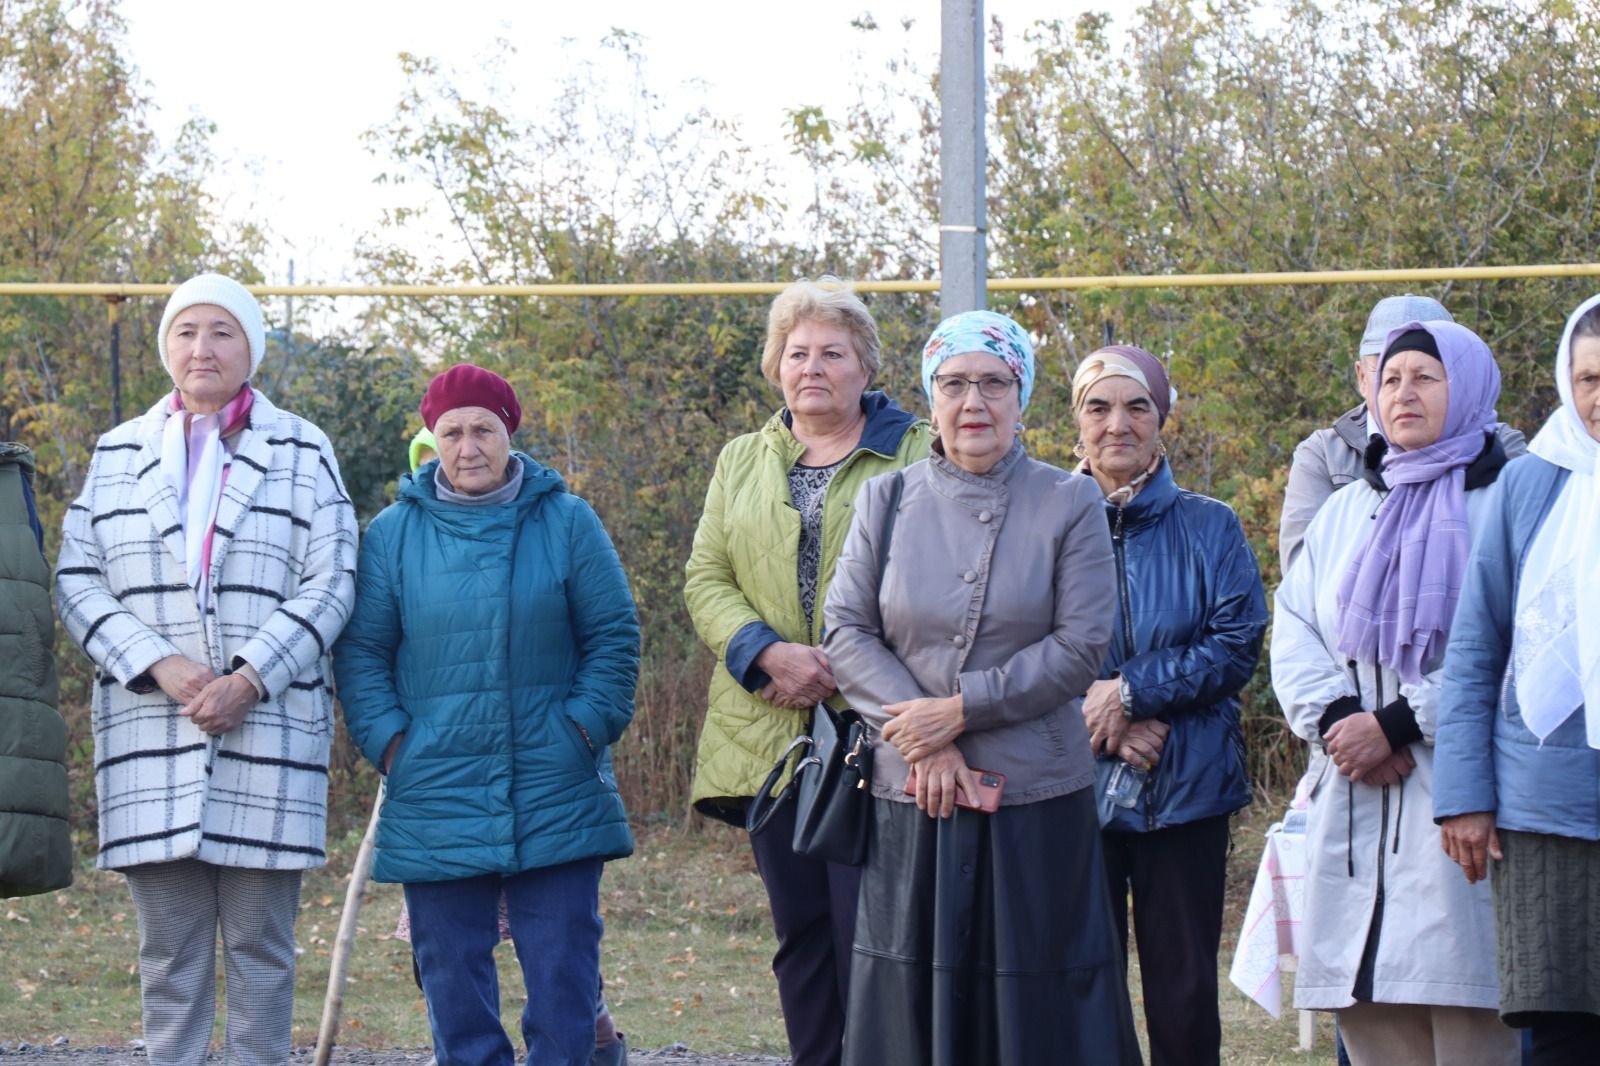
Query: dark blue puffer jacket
[(1190, 616), (502, 640)]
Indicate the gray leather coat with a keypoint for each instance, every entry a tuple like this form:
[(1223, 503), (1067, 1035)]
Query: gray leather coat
[(1001, 586)]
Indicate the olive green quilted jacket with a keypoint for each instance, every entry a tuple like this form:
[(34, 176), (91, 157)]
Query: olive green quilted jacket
[(743, 591), (35, 847)]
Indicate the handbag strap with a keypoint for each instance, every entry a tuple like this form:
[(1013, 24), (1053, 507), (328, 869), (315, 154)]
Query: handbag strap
[(765, 804), (888, 521)]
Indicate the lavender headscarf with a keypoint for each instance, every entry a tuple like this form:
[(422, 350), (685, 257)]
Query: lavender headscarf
[(1398, 597)]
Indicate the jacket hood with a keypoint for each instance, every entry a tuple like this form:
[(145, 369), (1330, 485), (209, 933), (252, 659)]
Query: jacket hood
[(1352, 428), (887, 423), (19, 454), (418, 489)]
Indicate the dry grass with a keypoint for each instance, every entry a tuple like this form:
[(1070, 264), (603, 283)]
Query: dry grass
[(687, 957)]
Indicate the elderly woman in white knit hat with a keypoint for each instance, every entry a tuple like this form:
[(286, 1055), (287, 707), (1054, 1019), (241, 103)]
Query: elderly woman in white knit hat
[(207, 569)]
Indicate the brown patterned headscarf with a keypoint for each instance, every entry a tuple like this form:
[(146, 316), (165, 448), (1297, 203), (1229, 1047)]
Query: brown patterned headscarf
[(1127, 361)]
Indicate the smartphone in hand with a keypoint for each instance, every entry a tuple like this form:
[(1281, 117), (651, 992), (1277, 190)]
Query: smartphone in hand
[(990, 787)]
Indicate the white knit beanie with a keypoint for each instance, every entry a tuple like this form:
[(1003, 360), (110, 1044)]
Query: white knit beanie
[(227, 294)]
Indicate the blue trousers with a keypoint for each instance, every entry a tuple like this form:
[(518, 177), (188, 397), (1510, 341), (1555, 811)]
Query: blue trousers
[(555, 925)]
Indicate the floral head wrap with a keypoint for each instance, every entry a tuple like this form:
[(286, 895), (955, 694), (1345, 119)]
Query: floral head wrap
[(980, 331)]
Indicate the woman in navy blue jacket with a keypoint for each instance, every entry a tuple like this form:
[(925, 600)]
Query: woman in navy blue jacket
[(1164, 718), (1516, 765)]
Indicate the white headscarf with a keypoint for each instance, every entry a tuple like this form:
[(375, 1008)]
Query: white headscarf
[(1556, 649)]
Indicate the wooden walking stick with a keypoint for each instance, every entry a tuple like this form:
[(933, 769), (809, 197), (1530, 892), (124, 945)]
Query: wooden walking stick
[(333, 1004)]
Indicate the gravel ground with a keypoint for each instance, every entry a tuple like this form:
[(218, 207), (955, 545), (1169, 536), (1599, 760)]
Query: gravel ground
[(13, 1054)]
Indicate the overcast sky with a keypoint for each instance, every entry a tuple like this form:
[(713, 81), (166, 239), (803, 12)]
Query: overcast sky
[(292, 86)]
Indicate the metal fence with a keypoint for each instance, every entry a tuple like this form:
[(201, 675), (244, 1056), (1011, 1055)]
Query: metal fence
[(115, 293)]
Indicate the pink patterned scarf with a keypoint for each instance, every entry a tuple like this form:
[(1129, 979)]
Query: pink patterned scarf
[(195, 461)]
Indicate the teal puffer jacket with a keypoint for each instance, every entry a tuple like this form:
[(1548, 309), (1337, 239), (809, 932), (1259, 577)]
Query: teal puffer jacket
[(502, 641)]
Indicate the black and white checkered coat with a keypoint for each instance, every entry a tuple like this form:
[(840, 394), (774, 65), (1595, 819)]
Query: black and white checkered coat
[(282, 584)]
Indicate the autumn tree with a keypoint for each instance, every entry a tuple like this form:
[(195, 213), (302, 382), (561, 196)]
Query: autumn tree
[(86, 194)]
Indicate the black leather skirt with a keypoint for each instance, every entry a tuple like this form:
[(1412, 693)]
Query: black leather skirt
[(987, 940)]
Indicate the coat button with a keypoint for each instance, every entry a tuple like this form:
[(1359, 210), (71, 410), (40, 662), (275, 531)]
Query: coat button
[(970, 576), (984, 516), (959, 640)]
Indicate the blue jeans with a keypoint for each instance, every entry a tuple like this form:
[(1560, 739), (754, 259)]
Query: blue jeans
[(555, 925)]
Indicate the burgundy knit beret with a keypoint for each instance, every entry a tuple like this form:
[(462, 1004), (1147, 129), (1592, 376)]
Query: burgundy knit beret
[(465, 385)]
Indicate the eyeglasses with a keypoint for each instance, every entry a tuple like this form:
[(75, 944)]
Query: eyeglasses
[(990, 386)]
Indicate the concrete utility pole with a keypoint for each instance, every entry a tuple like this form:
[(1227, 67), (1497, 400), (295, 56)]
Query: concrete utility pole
[(963, 220)]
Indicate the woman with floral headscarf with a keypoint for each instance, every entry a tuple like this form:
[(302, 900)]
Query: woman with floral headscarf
[(965, 623), (1516, 755), (1394, 939), (1163, 717)]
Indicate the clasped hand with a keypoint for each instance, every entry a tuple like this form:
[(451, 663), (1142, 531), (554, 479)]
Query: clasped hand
[(800, 675), (918, 728), (1360, 750), (1142, 743), (1103, 714), (939, 777), (214, 704)]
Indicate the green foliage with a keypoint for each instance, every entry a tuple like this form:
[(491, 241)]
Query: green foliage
[(87, 196), (366, 402)]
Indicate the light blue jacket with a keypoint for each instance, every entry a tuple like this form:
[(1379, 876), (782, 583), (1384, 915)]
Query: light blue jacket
[(502, 640), (1485, 758)]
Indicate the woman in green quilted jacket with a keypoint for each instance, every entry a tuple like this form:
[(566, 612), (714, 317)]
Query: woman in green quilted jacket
[(776, 515)]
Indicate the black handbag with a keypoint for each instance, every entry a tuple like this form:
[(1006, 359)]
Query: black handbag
[(832, 780)]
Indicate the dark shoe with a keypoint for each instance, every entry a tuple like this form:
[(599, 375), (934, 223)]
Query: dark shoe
[(612, 1054)]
